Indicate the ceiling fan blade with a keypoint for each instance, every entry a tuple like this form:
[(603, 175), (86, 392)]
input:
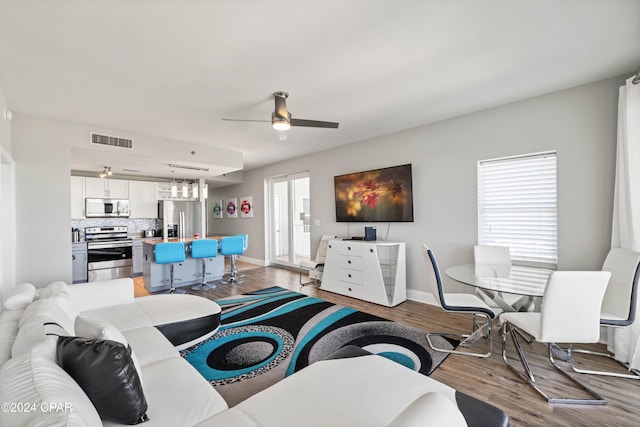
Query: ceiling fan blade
[(314, 123), (245, 120), (281, 104)]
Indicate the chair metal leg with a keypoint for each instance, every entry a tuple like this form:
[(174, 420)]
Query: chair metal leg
[(310, 282), (202, 286), (467, 339), (529, 378), (172, 289), (233, 277), (635, 375)]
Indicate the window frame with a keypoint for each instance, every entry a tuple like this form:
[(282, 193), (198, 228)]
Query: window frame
[(527, 225)]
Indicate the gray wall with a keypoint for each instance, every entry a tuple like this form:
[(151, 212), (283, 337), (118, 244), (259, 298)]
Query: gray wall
[(7, 214), (579, 123)]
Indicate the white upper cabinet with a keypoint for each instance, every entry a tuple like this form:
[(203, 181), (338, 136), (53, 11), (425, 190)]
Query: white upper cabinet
[(77, 197), (106, 188), (143, 202)]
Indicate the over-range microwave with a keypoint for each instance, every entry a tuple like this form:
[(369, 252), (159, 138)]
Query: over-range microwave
[(100, 208)]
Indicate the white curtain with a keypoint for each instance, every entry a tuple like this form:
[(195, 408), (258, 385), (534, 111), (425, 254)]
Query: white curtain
[(625, 342)]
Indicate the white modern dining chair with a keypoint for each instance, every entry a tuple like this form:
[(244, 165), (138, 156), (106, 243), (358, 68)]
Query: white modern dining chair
[(315, 267), (570, 313), (458, 303), (495, 261), (618, 306)]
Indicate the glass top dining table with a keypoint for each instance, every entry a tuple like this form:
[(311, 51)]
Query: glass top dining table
[(511, 279)]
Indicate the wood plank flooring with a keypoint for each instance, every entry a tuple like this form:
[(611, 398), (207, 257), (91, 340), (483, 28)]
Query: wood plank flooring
[(487, 379)]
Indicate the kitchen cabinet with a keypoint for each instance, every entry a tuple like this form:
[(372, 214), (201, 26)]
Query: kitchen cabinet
[(77, 197), (371, 271), (106, 188), (79, 262), (138, 257), (143, 201)]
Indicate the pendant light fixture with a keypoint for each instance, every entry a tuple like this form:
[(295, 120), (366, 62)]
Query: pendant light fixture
[(174, 189), (185, 190), (194, 189)]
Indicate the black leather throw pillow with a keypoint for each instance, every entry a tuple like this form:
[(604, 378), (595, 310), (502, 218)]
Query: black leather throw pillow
[(105, 371)]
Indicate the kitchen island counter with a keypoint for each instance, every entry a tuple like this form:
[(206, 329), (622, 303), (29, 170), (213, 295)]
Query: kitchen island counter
[(156, 276), (155, 240)]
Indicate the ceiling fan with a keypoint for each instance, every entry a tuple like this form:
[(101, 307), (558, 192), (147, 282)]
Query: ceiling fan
[(281, 119)]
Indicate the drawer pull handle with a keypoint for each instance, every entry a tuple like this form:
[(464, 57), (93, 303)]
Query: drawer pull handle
[(349, 289), (349, 275), (348, 248), (348, 261)]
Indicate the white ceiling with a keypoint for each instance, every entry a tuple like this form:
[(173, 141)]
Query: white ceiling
[(174, 69)]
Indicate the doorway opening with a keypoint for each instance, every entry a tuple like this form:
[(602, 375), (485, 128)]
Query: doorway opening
[(290, 219)]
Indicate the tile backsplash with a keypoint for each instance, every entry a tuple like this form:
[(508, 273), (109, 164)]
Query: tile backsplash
[(136, 226)]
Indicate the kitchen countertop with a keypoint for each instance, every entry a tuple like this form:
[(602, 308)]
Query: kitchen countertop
[(155, 240)]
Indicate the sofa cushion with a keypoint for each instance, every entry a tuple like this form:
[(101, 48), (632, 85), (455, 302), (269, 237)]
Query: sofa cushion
[(31, 378), (430, 409), (89, 327), (105, 371), (20, 297), (123, 316), (51, 311), (172, 385), (231, 417), (149, 345), (38, 334), (57, 417), (342, 394), (58, 292), (183, 319)]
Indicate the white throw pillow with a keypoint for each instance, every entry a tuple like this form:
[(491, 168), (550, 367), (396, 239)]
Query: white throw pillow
[(51, 311), (89, 327), (20, 296), (58, 292), (430, 409)]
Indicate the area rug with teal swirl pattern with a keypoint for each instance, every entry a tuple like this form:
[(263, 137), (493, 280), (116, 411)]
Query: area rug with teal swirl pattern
[(269, 334)]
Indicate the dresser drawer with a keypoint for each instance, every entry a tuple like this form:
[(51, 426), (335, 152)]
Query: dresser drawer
[(350, 262), (347, 247), (350, 276), (349, 289)]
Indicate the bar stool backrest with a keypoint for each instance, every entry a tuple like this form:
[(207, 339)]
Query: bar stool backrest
[(232, 245), (204, 248), (169, 252)]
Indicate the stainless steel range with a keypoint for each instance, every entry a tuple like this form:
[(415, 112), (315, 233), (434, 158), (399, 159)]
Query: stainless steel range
[(109, 253)]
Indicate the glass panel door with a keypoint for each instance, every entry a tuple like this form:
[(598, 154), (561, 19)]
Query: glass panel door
[(290, 219)]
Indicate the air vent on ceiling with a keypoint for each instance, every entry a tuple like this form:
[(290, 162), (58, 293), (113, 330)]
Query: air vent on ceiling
[(112, 141)]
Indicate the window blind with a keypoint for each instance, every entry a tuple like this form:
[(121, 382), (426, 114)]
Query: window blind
[(517, 207)]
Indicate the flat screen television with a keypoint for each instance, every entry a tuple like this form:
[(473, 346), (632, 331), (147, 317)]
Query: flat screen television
[(379, 195)]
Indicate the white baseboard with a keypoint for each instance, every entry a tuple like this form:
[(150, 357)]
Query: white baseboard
[(421, 296), (255, 261)]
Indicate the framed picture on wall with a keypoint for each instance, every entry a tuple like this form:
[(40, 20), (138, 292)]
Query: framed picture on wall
[(217, 209), (246, 207), (231, 207)]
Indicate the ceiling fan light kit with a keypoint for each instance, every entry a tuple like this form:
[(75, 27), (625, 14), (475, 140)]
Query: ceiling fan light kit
[(281, 119)]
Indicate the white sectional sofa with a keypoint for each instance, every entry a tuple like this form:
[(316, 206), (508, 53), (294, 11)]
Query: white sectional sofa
[(35, 390)]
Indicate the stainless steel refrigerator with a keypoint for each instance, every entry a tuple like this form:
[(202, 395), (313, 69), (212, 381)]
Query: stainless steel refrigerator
[(180, 219)]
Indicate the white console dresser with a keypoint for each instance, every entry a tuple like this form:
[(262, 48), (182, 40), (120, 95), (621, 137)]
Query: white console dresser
[(369, 270)]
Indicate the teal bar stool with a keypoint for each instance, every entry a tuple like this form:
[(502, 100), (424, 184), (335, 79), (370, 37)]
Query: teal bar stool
[(232, 247), (203, 249), (245, 245), (170, 253)]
